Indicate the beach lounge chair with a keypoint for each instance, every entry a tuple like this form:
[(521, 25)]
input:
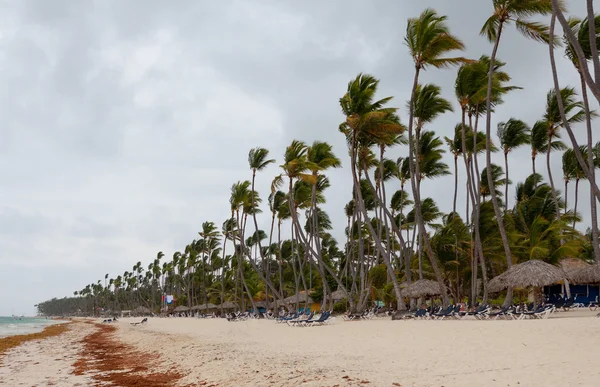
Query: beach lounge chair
[(501, 313), (418, 315), (322, 320), (594, 304), (143, 322), (445, 313), (300, 320)]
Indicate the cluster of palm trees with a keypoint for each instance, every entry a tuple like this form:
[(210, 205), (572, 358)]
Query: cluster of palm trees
[(395, 237)]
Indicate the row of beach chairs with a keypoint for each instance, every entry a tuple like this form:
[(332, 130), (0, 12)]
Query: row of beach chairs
[(484, 312)]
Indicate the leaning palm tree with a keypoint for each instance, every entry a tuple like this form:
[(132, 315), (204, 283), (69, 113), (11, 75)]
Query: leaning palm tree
[(428, 39), (512, 134), (505, 12)]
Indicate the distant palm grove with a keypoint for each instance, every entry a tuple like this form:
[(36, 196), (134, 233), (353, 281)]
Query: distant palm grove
[(395, 236)]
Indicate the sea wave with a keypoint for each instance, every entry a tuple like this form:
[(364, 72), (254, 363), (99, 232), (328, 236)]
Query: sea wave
[(11, 327)]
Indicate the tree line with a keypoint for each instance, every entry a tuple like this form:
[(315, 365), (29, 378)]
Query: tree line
[(393, 238)]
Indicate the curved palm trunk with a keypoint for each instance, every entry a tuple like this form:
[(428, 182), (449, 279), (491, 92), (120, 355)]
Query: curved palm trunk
[(360, 205), (488, 160), (223, 274), (414, 168), (300, 233), (477, 207), (264, 278), (591, 166), (595, 88)]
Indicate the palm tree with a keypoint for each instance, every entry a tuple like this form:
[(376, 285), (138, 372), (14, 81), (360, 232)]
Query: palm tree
[(366, 122), (455, 147), (505, 12), (497, 173), (429, 40), (573, 111), (258, 160), (512, 134), (319, 158)]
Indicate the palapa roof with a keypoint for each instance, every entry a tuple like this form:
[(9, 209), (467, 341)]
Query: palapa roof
[(422, 287), (302, 298), (228, 305), (338, 295), (530, 273), (207, 306), (181, 308), (141, 309), (588, 275), (571, 266)]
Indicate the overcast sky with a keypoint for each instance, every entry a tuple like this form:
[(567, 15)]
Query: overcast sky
[(123, 124)]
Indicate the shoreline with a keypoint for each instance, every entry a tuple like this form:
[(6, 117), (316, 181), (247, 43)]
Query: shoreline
[(9, 342)]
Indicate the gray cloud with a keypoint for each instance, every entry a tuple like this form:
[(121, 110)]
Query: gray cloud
[(125, 123)]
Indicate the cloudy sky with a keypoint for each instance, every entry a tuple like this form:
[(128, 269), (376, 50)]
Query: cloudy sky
[(124, 123)]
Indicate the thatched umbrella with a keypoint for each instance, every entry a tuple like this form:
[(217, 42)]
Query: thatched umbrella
[(227, 305), (571, 266), (303, 298), (421, 288), (207, 306), (588, 275), (530, 273), (338, 295), (141, 310), (181, 308)]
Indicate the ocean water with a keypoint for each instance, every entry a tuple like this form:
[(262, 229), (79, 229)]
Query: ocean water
[(10, 326)]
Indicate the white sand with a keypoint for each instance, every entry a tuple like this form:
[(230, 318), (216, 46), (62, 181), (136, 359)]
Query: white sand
[(47, 362), (560, 351)]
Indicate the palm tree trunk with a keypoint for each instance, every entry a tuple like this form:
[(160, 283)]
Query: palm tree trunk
[(506, 185), (455, 183), (298, 229), (414, 168), (280, 258), (223, 274), (488, 159), (361, 207), (554, 197), (591, 166), (592, 36), (566, 194), (576, 198)]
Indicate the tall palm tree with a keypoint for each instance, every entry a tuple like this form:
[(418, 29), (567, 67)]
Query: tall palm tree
[(512, 134), (319, 158), (258, 161), (497, 174), (505, 12), (456, 149), (428, 39), (573, 110), (367, 120)]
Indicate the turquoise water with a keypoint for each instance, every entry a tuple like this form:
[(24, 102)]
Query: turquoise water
[(10, 326)]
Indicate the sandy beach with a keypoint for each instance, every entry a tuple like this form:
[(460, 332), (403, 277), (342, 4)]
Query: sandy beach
[(559, 351)]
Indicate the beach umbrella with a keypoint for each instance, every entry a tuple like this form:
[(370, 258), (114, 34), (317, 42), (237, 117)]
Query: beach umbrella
[(228, 305), (141, 310), (530, 273), (421, 288), (302, 298), (588, 275), (207, 306), (338, 295), (571, 266), (181, 309)]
